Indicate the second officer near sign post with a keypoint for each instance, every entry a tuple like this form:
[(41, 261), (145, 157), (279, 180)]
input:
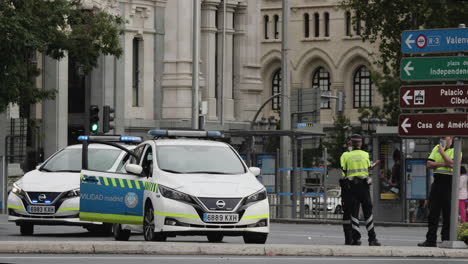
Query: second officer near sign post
[(441, 161), (356, 168)]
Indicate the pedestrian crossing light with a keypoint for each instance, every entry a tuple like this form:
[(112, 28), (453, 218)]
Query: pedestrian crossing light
[(94, 118), (107, 118)]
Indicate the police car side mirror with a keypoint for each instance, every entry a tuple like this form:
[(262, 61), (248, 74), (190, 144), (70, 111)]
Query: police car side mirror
[(134, 169), (255, 170)]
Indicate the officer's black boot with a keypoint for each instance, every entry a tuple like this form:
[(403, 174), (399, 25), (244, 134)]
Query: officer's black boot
[(374, 243)]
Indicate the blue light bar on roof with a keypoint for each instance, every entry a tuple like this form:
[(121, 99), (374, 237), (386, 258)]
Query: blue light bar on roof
[(184, 133), (111, 138), (159, 133), (130, 139), (83, 138)]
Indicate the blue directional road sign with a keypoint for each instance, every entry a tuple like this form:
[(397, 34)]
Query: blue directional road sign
[(436, 40)]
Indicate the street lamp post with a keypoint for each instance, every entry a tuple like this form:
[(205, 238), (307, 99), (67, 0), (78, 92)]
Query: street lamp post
[(369, 126)]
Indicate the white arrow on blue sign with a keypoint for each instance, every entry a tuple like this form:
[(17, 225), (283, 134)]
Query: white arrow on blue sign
[(434, 40)]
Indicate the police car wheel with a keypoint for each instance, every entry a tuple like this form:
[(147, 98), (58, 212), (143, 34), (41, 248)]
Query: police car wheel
[(120, 234), (255, 238), (148, 226), (26, 229), (215, 238)]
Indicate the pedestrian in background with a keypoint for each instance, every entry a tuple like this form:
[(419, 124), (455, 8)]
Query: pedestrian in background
[(462, 194), (345, 196), (356, 168), (441, 161)]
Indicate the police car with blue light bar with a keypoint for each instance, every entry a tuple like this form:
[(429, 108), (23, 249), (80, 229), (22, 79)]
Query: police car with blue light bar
[(49, 195), (180, 183)]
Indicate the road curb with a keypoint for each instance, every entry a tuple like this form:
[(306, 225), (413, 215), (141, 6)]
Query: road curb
[(182, 248), (339, 222)]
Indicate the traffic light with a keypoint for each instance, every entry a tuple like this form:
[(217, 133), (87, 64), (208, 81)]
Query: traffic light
[(93, 118), (107, 118)]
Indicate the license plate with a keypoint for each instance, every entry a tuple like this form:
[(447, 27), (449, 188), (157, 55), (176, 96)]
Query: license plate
[(220, 217), (34, 209)]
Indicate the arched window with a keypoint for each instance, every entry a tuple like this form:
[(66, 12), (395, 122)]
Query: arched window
[(306, 25), (276, 18), (316, 25), (326, 17), (276, 88), (348, 24), (362, 88), (321, 80), (266, 20)]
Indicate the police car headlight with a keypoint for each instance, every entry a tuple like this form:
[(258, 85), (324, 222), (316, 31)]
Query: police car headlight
[(72, 193), (175, 195), (17, 190), (258, 196)]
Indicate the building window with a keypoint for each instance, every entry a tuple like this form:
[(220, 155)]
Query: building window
[(275, 89), (358, 25), (348, 24), (321, 80), (306, 25), (266, 20), (362, 88), (276, 18), (137, 71), (326, 17), (317, 25)]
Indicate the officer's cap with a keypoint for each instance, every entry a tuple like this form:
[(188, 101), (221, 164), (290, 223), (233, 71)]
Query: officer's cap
[(356, 137)]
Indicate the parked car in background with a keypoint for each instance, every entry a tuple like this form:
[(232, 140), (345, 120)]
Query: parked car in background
[(50, 194), (316, 201)]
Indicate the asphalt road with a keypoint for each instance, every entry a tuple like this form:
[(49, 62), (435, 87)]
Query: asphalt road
[(304, 234), (137, 259)]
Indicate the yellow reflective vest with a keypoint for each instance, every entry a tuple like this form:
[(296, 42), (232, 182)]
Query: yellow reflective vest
[(436, 157), (342, 161), (356, 163)]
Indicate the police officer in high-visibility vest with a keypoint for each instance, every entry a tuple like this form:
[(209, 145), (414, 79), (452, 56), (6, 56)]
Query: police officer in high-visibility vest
[(356, 168), (441, 161), (345, 197)]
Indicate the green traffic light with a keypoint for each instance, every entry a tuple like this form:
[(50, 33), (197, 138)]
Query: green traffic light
[(94, 127)]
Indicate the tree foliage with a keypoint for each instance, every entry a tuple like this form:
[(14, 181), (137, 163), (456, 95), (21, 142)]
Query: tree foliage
[(336, 142), (54, 28), (385, 20)]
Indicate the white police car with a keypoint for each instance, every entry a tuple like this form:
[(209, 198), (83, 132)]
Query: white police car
[(49, 195), (179, 186)]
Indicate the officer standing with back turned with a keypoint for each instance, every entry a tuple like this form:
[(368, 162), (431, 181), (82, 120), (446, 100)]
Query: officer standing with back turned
[(356, 168)]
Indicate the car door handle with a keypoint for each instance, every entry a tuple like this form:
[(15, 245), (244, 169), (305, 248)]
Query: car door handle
[(90, 179)]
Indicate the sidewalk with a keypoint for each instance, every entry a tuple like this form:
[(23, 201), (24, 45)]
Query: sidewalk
[(180, 248)]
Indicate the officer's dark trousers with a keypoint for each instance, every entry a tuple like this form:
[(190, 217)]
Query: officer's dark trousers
[(360, 196), (347, 209), (439, 201)]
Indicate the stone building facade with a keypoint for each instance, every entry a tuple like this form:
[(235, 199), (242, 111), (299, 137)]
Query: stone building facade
[(325, 52)]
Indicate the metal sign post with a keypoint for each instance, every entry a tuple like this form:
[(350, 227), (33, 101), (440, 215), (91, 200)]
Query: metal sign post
[(453, 242), (4, 185)]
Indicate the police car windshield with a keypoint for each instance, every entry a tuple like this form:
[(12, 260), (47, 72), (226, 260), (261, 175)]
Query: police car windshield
[(69, 160), (199, 159)]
